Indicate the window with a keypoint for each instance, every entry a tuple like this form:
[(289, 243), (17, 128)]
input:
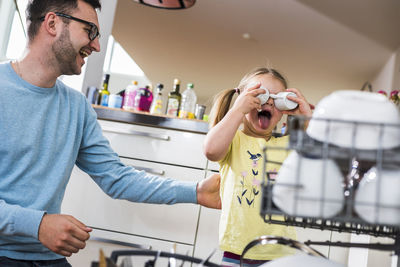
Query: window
[(121, 67), (118, 63), (12, 25)]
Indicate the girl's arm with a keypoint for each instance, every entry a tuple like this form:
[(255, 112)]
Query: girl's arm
[(219, 137)]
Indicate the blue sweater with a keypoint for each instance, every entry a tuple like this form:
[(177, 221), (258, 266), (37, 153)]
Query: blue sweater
[(44, 132)]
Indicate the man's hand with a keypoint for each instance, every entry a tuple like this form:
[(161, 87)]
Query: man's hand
[(208, 192), (63, 234)]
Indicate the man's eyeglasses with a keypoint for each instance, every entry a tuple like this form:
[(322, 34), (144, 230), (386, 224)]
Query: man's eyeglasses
[(93, 31)]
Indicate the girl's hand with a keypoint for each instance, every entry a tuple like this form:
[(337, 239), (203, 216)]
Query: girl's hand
[(303, 107), (248, 100)]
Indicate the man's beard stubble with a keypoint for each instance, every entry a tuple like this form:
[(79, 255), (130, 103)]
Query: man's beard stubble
[(65, 54)]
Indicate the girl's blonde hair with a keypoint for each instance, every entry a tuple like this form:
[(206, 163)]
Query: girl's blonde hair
[(222, 101)]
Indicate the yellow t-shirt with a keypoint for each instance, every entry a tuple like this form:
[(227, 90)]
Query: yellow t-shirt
[(241, 175)]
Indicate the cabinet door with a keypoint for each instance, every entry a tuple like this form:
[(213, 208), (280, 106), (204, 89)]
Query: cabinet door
[(176, 223), (155, 144), (212, 165), (207, 234), (91, 251)]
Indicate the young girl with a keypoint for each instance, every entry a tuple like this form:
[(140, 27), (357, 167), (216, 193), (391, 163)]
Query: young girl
[(239, 153)]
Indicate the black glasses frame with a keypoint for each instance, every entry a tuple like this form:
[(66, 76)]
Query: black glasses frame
[(93, 32)]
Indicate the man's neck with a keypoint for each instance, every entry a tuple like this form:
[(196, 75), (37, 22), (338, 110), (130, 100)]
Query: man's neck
[(36, 69)]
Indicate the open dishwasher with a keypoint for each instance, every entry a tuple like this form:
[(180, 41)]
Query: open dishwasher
[(340, 175)]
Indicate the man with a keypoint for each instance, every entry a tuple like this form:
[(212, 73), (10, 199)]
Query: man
[(47, 128)]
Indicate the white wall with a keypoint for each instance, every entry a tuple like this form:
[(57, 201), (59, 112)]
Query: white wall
[(94, 66), (120, 81), (388, 78), (396, 71), (7, 9)]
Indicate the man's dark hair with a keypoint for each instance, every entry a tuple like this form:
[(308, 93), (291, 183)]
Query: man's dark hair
[(39, 8)]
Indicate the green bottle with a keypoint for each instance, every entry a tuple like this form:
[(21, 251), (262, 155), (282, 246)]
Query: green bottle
[(174, 99), (104, 93)]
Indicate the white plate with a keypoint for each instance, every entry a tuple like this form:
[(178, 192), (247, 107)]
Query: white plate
[(309, 187)]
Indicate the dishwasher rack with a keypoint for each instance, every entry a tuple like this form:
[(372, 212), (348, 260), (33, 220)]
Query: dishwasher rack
[(156, 254), (347, 220)]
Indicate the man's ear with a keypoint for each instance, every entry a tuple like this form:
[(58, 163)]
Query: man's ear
[(51, 23)]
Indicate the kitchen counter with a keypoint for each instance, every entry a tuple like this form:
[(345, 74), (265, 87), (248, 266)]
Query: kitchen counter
[(146, 119)]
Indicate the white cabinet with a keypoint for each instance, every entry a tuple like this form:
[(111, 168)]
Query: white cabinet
[(155, 144), (165, 153), (207, 234), (175, 223)]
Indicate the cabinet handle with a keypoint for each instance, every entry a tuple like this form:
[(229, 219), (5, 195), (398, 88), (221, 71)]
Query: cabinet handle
[(131, 132), (149, 170), (116, 242)]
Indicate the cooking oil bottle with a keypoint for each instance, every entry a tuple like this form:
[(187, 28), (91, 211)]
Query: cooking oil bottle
[(157, 104), (174, 99), (104, 93)]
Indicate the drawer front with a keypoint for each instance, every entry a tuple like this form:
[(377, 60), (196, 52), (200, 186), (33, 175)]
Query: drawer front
[(176, 223), (155, 144)]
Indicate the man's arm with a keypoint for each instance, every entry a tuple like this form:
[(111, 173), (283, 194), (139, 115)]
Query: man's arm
[(208, 192), (63, 234), (17, 220)]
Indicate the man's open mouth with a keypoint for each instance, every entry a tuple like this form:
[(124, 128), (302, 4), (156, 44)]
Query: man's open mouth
[(83, 53)]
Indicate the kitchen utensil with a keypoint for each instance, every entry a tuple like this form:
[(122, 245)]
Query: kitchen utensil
[(280, 100), (308, 257), (362, 120), (309, 187), (199, 111), (377, 199)]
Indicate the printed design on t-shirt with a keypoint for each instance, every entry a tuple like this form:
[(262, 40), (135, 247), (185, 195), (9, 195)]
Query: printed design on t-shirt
[(250, 189)]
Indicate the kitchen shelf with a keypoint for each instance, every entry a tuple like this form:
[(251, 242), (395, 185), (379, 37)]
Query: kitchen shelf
[(147, 119)]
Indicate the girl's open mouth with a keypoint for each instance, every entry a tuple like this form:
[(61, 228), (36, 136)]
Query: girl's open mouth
[(264, 117)]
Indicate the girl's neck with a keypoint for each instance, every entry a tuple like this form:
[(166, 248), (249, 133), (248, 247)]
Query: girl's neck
[(251, 132)]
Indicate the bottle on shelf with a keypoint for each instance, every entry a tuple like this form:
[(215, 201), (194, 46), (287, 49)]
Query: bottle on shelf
[(92, 94), (129, 97), (104, 93), (157, 104), (143, 99), (174, 99), (188, 103)]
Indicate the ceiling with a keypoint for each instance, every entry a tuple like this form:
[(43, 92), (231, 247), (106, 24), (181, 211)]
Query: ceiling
[(319, 45)]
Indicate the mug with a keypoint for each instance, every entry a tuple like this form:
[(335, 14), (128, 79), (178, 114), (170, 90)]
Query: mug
[(115, 101), (280, 100), (282, 103)]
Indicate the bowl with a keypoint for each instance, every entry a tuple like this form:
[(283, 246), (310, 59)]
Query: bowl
[(362, 120), (377, 199), (302, 260), (309, 187)]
